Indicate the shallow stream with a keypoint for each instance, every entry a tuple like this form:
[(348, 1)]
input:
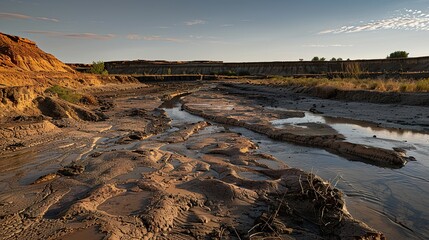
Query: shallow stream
[(394, 201)]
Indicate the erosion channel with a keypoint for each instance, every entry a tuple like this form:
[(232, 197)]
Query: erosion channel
[(218, 161)]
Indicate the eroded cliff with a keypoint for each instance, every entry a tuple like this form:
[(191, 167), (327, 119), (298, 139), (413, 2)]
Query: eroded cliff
[(21, 54), (404, 67)]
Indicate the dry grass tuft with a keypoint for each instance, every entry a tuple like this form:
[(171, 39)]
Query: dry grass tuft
[(71, 95), (390, 85)]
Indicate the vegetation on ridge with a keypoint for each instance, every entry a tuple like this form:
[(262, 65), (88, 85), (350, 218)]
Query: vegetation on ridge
[(382, 85), (398, 54), (98, 68), (70, 95)]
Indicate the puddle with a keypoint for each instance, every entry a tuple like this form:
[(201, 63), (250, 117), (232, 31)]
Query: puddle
[(179, 117), (309, 118), (137, 173), (227, 107), (176, 163), (253, 176), (88, 233), (127, 204)]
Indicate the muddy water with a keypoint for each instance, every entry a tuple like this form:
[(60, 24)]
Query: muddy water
[(416, 144), (395, 201)]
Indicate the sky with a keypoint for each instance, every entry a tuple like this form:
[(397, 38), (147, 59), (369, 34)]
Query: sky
[(223, 30)]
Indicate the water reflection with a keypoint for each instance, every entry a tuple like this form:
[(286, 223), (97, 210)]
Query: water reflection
[(416, 144)]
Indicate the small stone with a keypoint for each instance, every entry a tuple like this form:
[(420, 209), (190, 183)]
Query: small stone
[(72, 170), (204, 219), (96, 154), (46, 178)]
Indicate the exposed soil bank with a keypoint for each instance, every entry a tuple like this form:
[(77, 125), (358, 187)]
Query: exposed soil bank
[(412, 99), (130, 177), (396, 115), (406, 68)]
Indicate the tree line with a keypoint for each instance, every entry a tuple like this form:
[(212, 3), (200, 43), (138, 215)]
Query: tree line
[(396, 54)]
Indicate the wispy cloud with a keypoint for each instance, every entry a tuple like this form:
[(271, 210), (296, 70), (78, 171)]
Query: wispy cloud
[(327, 45), (6, 15), (202, 37), (195, 22), (153, 38), (91, 36), (47, 19), (406, 19), (227, 25)]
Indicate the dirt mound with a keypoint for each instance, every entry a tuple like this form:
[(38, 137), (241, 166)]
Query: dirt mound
[(58, 109), (20, 54), (11, 134)]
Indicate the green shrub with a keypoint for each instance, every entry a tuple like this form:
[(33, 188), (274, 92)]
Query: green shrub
[(98, 68), (398, 54), (72, 96), (65, 93)]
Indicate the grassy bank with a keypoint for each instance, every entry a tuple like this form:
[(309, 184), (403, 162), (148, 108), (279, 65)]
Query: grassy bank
[(391, 85), (71, 95)]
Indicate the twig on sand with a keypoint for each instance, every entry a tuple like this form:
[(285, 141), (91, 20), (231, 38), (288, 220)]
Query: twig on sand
[(236, 233), (253, 228), (300, 184)]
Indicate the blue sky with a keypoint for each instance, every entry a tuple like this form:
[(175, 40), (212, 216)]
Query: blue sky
[(226, 30)]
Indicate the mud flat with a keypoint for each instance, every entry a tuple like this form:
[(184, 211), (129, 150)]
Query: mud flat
[(149, 170), (389, 198)]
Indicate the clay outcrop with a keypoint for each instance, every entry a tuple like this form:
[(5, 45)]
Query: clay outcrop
[(21, 54)]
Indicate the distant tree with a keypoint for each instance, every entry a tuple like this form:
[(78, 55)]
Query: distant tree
[(322, 59), (339, 59), (315, 59), (333, 59), (301, 59), (98, 68), (398, 54)]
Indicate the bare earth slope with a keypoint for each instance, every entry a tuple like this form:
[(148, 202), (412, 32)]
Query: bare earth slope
[(21, 54), (26, 72)]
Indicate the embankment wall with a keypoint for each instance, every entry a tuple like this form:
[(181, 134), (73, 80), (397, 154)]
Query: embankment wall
[(410, 67)]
